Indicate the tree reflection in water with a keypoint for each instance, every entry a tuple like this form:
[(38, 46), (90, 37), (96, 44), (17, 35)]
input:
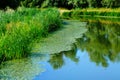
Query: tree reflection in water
[(101, 41), (57, 60)]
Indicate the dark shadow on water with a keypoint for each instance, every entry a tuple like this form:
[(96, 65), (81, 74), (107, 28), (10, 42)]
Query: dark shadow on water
[(57, 60), (102, 42)]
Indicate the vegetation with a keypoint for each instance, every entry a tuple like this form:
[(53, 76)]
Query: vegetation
[(61, 3), (18, 29), (21, 26), (89, 12)]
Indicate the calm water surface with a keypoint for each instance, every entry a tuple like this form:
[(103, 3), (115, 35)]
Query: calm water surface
[(94, 56)]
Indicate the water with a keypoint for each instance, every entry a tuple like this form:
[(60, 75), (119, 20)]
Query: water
[(88, 52), (84, 69)]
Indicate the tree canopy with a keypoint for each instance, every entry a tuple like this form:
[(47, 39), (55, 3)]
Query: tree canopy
[(60, 3)]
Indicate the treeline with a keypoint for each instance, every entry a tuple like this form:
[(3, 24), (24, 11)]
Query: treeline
[(60, 3)]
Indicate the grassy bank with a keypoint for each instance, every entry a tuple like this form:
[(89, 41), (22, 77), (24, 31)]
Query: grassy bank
[(18, 29), (95, 12)]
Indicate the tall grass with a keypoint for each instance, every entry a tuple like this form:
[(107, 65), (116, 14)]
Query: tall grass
[(20, 28), (51, 21)]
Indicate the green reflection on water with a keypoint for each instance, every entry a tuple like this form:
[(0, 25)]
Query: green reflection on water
[(102, 42), (57, 60)]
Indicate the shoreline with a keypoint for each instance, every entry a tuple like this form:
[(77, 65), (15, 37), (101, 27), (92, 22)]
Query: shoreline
[(100, 12)]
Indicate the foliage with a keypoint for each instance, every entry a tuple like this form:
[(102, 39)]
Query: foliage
[(60, 3), (51, 21), (11, 3), (20, 28), (31, 3)]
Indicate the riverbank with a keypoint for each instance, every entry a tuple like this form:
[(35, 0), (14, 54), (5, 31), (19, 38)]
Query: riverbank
[(91, 12), (50, 50), (20, 28), (75, 43)]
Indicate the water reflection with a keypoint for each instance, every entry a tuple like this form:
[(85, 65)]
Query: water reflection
[(57, 60), (102, 42)]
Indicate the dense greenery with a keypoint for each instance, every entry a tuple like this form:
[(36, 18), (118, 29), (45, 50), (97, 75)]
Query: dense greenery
[(18, 29), (61, 3), (90, 12)]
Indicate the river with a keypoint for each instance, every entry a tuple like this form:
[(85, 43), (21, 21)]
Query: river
[(84, 49)]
